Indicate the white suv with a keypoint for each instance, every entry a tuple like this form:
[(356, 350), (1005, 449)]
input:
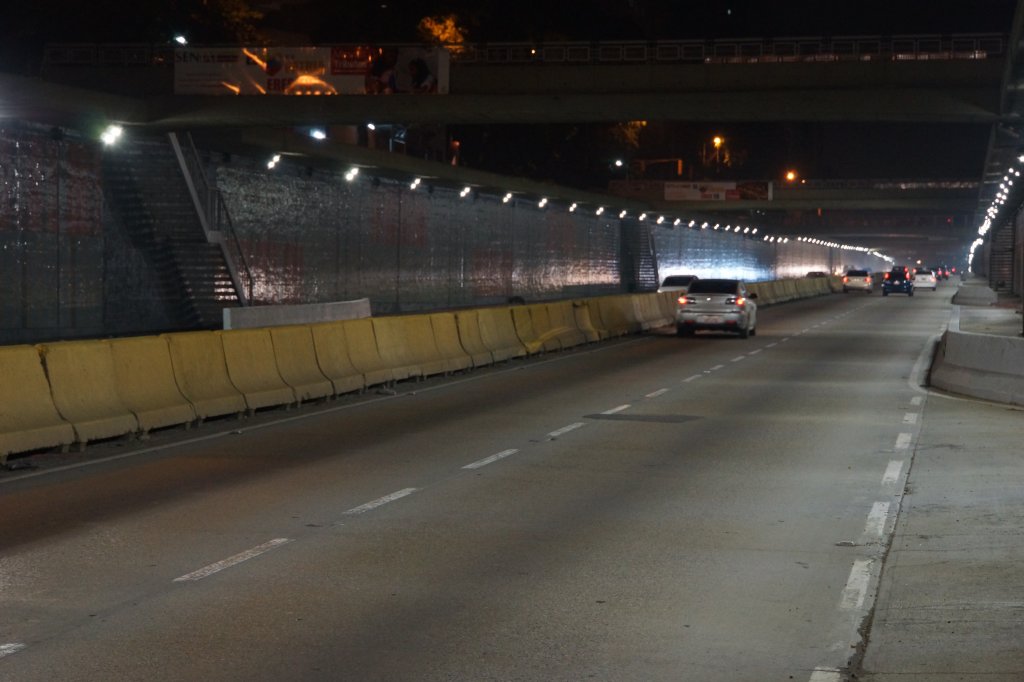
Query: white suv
[(925, 279), (858, 280)]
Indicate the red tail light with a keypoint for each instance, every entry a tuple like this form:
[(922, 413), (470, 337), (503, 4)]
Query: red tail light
[(867, 280), (845, 280), (683, 300), (887, 275)]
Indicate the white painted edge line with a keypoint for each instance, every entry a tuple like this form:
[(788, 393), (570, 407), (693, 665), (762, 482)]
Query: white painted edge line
[(12, 648), (232, 561), (737, 359), (693, 378), (892, 472), (564, 430), (491, 460), (875, 525), (755, 352), (717, 367), (910, 418), (380, 501), (825, 675), (659, 392), (917, 400), (903, 441), (856, 589), (623, 408), (772, 345)]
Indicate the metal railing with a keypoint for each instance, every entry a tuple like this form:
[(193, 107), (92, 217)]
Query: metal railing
[(214, 216), (731, 51)]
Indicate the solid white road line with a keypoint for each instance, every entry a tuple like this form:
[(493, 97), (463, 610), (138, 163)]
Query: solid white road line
[(8, 649), (825, 675), (892, 472), (856, 586), (622, 408), (490, 460), (693, 378), (232, 561), (564, 430), (903, 441), (875, 525), (659, 392), (910, 418), (380, 501)]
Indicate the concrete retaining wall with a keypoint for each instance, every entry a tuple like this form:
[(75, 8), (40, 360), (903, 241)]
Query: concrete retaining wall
[(980, 365)]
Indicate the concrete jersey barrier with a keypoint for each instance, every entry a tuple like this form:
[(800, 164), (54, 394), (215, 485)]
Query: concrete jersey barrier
[(446, 338), (563, 323), (584, 322), (145, 381), (28, 417), (498, 332), (332, 356), (296, 361), (468, 323), (363, 352), (252, 368), (202, 374), (82, 381)]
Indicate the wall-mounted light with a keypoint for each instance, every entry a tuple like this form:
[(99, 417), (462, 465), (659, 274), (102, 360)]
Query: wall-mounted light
[(274, 161), (542, 203), (318, 134), (643, 216), (572, 207), (507, 198), (622, 214), (112, 134), (414, 184), (351, 174), (599, 211), (465, 191)]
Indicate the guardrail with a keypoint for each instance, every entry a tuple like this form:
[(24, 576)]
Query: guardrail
[(731, 51)]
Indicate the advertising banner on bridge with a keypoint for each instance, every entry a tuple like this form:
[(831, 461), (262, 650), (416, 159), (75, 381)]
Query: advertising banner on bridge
[(338, 70)]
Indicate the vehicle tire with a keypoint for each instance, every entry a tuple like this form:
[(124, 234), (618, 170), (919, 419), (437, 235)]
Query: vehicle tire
[(683, 331), (910, 293), (744, 333), (845, 290), (884, 292), (868, 292), (753, 331)]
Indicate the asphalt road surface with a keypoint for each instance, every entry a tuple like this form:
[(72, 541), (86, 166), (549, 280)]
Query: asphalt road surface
[(653, 508)]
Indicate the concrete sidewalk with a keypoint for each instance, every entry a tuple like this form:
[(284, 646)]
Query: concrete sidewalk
[(950, 602)]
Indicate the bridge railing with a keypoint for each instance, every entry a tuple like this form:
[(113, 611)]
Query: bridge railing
[(730, 51)]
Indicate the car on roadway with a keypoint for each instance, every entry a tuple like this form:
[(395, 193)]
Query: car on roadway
[(718, 305), (816, 274), (677, 283), (898, 281), (925, 278), (858, 280)]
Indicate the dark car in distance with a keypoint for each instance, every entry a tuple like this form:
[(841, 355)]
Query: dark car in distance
[(898, 281)]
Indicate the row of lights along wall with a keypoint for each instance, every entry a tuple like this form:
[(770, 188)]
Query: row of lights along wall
[(113, 133), (992, 213)]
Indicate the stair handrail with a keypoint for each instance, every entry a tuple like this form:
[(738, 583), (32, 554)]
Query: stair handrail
[(213, 215)]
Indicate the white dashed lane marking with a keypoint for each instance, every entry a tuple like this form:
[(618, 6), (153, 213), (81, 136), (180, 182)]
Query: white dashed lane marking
[(910, 418), (825, 675), (856, 586), (716, 368), (741, 357), (903, 441), (564, 430), (892, 473), (8, 649), (620, 408), (207, 571), (917, 400), (755, 352), (875, 525), (693, 378), (659, 392), (491, 460), (380, 501)]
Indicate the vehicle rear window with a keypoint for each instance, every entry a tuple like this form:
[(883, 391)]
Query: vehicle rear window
[(677, 281), (714, 286), (856, 273), (923, 271)]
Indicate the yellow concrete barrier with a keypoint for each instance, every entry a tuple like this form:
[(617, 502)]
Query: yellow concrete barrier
[(84, 388), (528, 334), (362, 351), (252, 368), (297, 363), (146, 383), (202, 374), (563, 323), (28, 417), (332, 356), (648, 311), (618, 315), (397, 344), (468, 322), (581, 312), (498, 331), (446, 338)]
